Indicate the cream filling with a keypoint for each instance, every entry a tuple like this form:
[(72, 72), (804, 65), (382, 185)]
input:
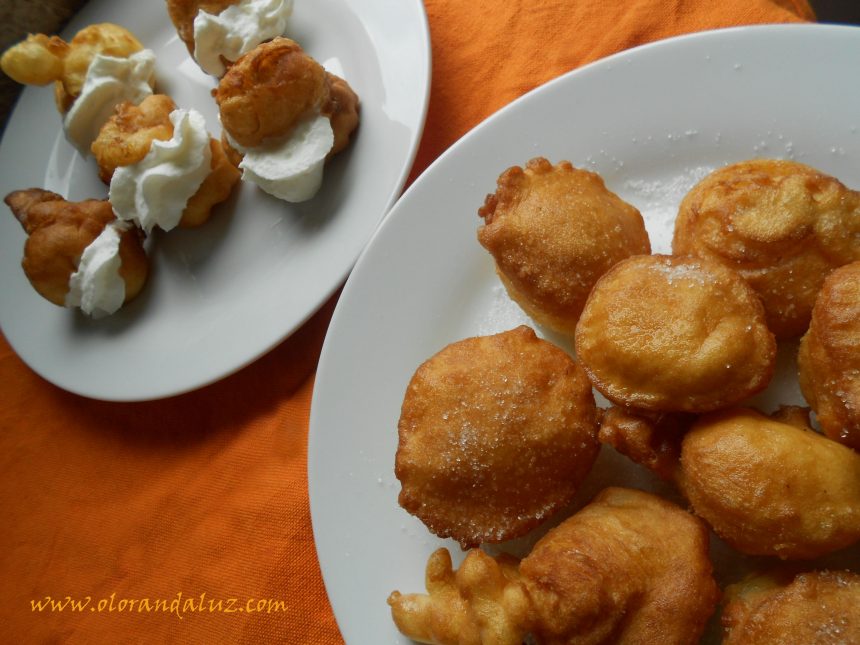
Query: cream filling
[(110, 81), (290, 168), (97, 287), (237, 30), (155, 190)]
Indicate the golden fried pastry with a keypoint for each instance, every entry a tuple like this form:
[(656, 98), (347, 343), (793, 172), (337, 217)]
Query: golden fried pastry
[(496, 434), (829, 356), (553, 231), (672, 334), (278, 73), (127, 138), (813, 608), (77, 253), (767, 486), (628, 568), (782, 225), (219, 32), (482, 602), (42, 59)]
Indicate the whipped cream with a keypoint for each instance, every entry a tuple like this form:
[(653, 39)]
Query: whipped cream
[(290, 168), (110, 80), (97, 287), (237, 30), (155, 190)]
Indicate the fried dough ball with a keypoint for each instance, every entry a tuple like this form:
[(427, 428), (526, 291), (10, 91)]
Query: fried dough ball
[(127, 137), (767, 486), (782, 225), (813, 608), (183, 12), (674, 334), (41, 59), (628, 568), (553, 231), (268, 90), (482, 602), (829, 356), (58, 232), (496, 433)]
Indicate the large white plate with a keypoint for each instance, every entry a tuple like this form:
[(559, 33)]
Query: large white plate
[(222, 295), (652, 121)]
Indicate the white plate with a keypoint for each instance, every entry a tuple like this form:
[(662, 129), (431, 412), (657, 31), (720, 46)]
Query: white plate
[(652, 121), (222, 295)]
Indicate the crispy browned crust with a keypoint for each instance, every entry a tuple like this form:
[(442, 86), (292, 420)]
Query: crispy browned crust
[(819, 607), (769, 488), (127, 136), (268, 90), (652, 439), (671, 334), (782, 225), (215, 188), (342, 110), (496, 434), (628, 568), (553, 230), (59, 231), (829, 356)]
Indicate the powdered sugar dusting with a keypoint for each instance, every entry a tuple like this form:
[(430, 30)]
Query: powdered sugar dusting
[(658, 201)]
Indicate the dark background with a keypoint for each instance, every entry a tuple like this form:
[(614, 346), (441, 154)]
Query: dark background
[(17, 17)]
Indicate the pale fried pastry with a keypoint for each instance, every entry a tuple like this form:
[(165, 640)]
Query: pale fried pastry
[(58, 233), (782, 225), (553, 230), (812, 608), (627, 568), (42, 59), (481, 602), (495, 435), (672, 334), (829, 356), (127, 138), (767, 486)]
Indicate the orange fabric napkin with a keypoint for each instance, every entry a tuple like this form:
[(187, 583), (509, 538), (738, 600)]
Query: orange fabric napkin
[(205, 495)]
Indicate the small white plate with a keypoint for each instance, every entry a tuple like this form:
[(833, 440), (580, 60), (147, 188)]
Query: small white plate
[(652, 121), (222, 295)]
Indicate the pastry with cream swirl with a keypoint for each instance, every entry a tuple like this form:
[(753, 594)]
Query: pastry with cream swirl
[(77, 254)]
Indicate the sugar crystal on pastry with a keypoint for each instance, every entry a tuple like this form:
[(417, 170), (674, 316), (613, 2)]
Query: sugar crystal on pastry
[(495, 435)]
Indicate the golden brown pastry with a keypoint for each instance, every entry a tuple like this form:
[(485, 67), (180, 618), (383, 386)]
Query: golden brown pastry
[(482, 602), (767, 486), (59, 255), (628, 568), (672, 334), (127, 138), (42, 59), (553, 231), (782, 225), (812, 608), (274, 86), (495, 435), (829, 356)]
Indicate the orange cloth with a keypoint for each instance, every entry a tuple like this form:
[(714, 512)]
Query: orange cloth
[(206, 493)]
